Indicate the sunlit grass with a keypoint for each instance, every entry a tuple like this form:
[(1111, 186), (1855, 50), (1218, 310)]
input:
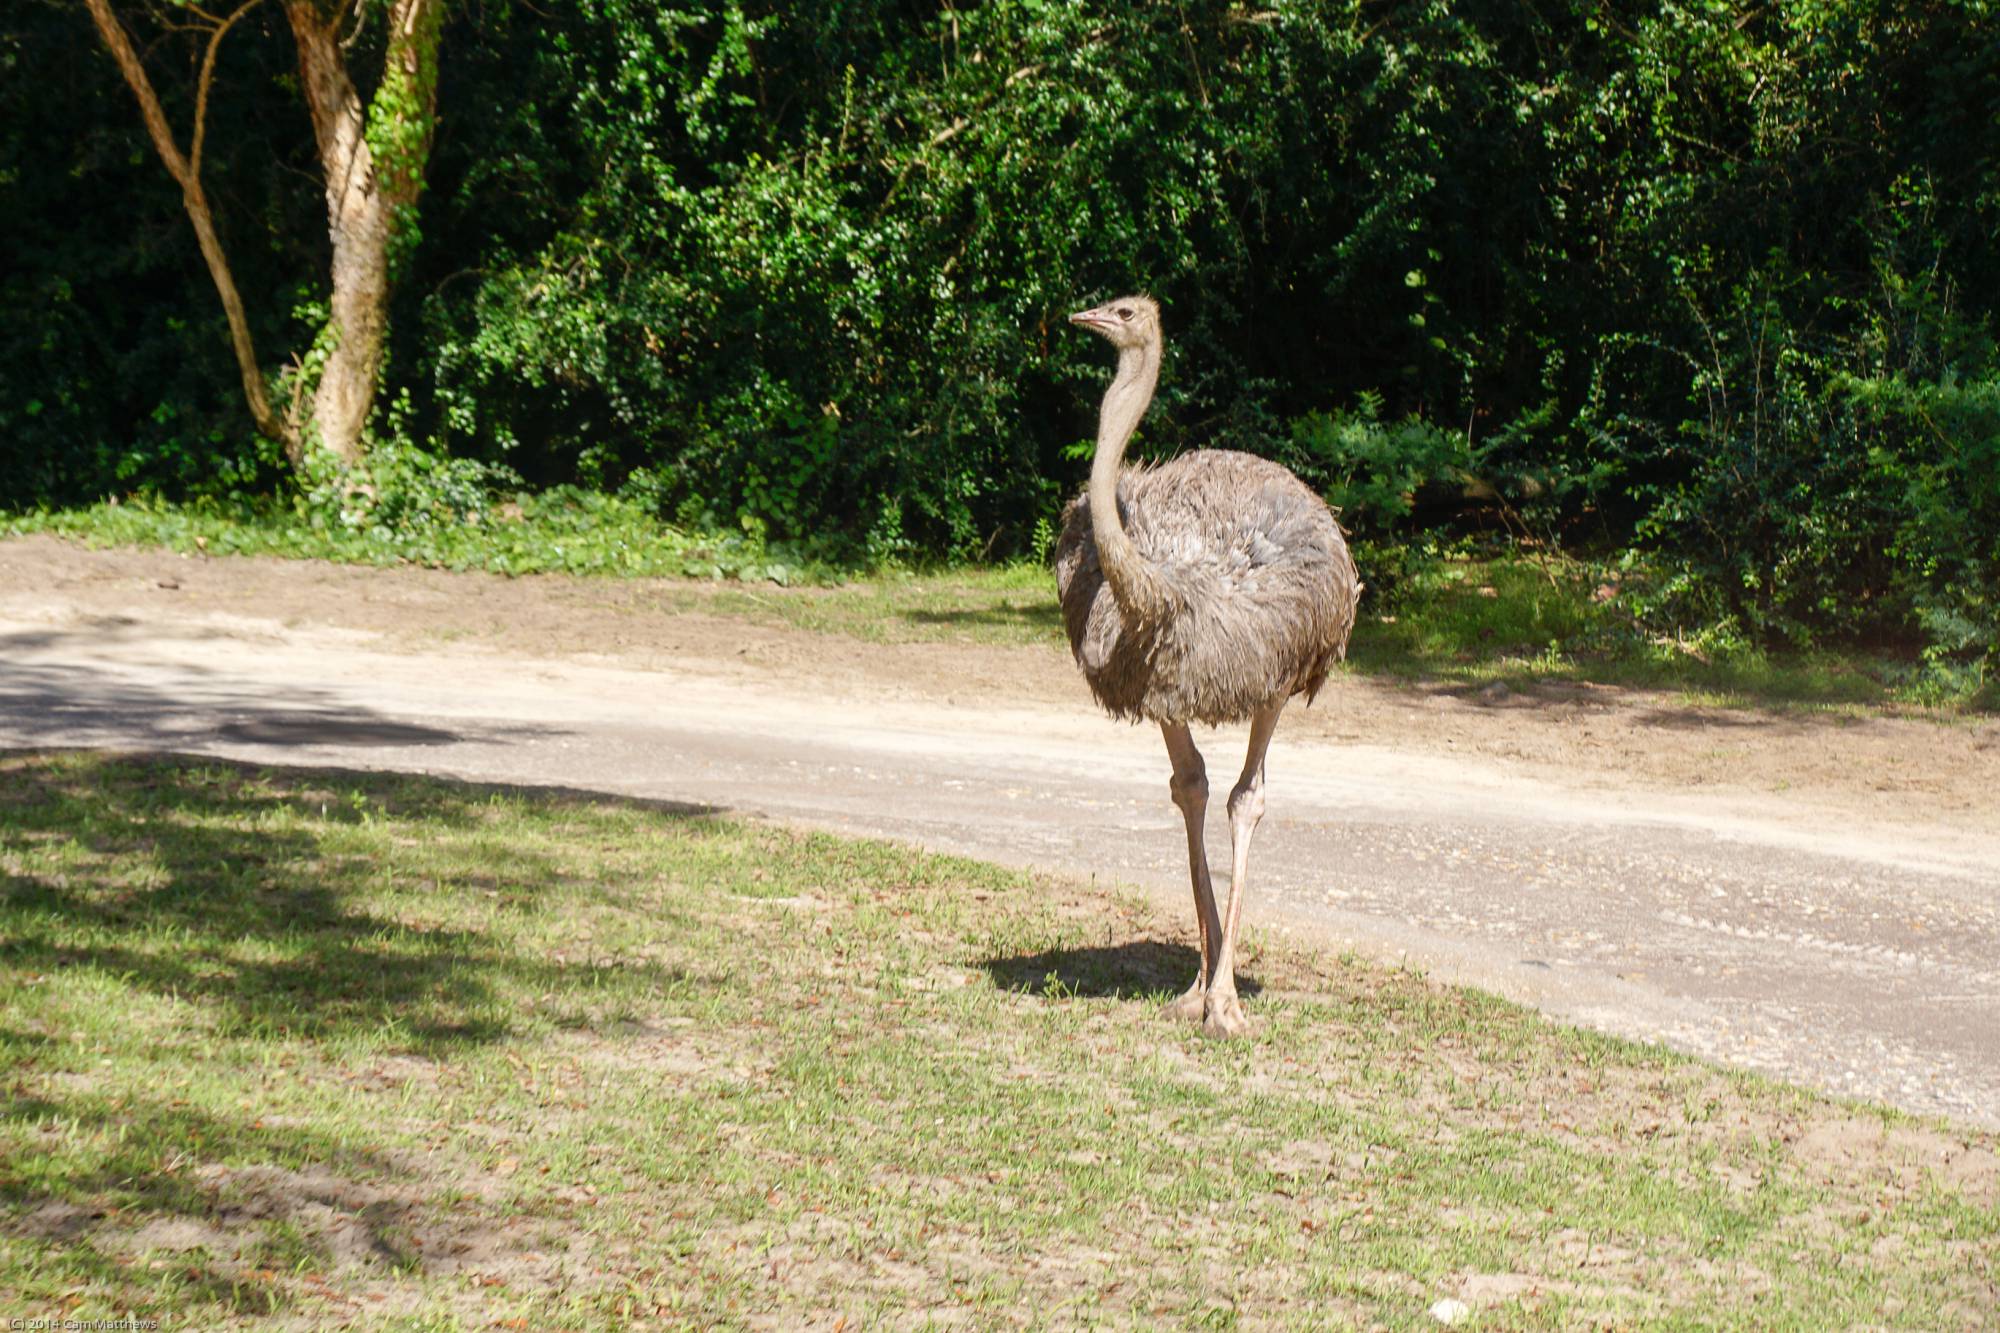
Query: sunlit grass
[(565, 531), (1003, 604), (1473, 622), (1516, 621), (392, 1052)]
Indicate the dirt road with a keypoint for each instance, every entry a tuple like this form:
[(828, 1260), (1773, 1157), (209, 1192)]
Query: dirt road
[(1810, 895)]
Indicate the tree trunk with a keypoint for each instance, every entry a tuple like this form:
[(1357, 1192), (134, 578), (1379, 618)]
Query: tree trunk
[(373, 163)]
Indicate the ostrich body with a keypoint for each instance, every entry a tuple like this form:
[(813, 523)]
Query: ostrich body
[(1209, 589)]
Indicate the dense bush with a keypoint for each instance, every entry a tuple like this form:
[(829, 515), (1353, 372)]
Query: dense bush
[(1847, 489), (1711, 278)]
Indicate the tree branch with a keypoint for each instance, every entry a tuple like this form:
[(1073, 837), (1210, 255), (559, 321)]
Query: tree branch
[(194, 199), (360, 25), (207, 78), (120, 46)]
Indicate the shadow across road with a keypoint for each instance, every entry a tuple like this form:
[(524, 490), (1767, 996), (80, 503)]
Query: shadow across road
[(66, 704)]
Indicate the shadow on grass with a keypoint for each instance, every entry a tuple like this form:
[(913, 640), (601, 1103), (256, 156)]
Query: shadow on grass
[(1502, 679), (1139, 970), (242, 887), (124, 1165), (263, 896), (1505, 624), (1532, 694), (1044, 618), (1534, 624)]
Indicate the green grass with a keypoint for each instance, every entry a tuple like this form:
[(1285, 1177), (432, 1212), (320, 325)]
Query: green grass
[(1474, 622), (562, 531), (1470, 622), (321, 1048), (1011, 604), (1520, 622)]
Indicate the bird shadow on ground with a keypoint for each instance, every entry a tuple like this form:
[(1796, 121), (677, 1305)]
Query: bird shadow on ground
[(1136, 970)]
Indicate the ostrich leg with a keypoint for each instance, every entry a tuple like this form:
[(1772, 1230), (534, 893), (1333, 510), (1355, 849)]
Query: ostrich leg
[(1189, 786), (1223, 1016)]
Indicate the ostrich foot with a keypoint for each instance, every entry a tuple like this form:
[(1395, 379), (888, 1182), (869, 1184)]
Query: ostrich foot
[(1190, 1007), (1224, 1016)]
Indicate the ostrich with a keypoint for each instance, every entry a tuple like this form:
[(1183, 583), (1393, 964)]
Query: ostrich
[(1208, 589)]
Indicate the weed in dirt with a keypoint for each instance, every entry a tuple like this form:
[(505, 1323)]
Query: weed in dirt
[(318, 1048)]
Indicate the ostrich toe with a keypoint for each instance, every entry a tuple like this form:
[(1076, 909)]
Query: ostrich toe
[(1190, 1007), (1224, 1016)]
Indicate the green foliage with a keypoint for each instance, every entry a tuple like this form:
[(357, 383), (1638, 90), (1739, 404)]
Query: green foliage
[(1853, 487), (1934, 450), (1708, 283), (399, 122), (1372, 471)]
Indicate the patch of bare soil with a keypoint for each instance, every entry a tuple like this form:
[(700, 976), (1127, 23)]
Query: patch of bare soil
[(1901, 1158), (316, 1244), (1886, 769)]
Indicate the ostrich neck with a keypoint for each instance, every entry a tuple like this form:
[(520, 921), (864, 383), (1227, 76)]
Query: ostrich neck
[(1134, 583)]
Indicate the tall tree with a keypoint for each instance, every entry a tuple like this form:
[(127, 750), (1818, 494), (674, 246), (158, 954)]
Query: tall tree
[(372, 158)]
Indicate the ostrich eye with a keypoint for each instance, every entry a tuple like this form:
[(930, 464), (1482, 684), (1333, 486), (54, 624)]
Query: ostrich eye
[(1124, 313)]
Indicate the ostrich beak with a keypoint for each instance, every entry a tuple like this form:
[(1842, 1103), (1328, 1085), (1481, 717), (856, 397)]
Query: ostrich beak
[(1095, 318)]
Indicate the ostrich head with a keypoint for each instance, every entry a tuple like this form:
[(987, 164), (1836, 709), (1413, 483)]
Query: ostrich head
[(1129, 321)]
